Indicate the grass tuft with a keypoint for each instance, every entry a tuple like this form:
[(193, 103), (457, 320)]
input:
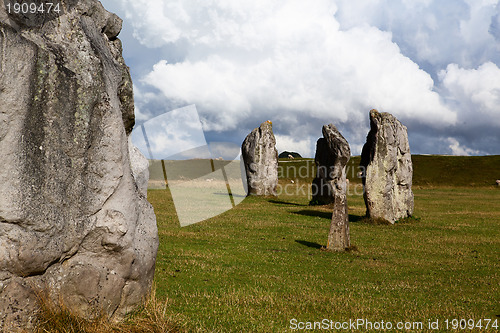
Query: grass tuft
[(151, 317), (352, 248), (316, 202), (375, 221), (409, 219)]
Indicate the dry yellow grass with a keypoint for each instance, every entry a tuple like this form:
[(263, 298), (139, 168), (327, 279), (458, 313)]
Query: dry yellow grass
[(152, 317)]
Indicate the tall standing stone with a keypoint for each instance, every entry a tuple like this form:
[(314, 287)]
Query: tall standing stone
[(261, 160), (322, 185), (332, 155), (388, 170), (73, 221)]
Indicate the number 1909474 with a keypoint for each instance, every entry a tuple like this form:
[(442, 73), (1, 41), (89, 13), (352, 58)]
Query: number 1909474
[(471, 324), (33, 8)]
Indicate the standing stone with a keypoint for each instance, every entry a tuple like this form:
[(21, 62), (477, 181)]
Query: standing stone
[(322, 187), (332, 155), (73, 222), (388, 170), (261, 160)]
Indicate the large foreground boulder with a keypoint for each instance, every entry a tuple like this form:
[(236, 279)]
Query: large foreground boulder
[(330, 185), (74, 226), (261, 160), (387, 169)]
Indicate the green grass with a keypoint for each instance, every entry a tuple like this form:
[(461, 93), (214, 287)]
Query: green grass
[(259, 265), (254, 268)]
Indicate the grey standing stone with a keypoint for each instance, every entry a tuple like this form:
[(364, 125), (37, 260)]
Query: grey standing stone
[(322, 189), (388, 169), (73, 221), (330, 186), (260, 158)]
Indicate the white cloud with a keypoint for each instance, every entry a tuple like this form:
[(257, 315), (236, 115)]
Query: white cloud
[(247, 59), (476, 92), (304, 147), (172, 133), (432, 32), (457, 149), (139, 116), (432, 63)]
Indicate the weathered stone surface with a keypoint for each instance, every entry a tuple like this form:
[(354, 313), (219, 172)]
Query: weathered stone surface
[(330, 186), (261, 160), (72, 219), (388, 169), (140, 168)]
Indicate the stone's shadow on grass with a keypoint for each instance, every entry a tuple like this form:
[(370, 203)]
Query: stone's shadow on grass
[(352, 248), (309, 244), (314, 213), (355, 218), (352, 218), (279, 202), (328, 215)]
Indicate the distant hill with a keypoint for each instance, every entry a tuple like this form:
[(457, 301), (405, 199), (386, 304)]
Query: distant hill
[(439, 170), (286, 154), (428, 170), (456, 170)]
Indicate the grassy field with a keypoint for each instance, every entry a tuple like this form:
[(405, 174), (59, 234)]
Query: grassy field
[(258, 266)]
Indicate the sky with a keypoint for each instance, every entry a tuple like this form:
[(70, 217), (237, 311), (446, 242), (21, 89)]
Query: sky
[(434, 64)]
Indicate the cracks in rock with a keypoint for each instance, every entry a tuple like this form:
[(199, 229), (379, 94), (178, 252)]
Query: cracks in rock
[(119, 181), (12, 222), (4, 45), (41, 272)]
